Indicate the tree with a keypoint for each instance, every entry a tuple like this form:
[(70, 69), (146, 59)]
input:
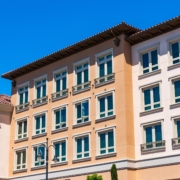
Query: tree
[(94, 177), (114, 175)]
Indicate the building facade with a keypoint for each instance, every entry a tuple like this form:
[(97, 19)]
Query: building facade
[(113, 98)]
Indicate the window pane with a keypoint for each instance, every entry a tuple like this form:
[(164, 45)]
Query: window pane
[(156, 95), (63, 144), (175, 50), (147, 98), (79, 78), (57, 148), (101, 70), (154, 57), (158, 132), (79, 145), (102, 104), (35, 153), (103, 140), (26, 96), (37, 123), (85, 108), (178, 129), (24, 157), (38, 92), (110, 139), (78, 111), (43, 121), (42, 150), (63, 115), (145, 60), (57, 117), (58, 85), (21, 98), (148, 134), (25, 126), (18, 158), (86, 78), (20, 128), (64, 83), (109, 67), (110, 102), (177, 88), (86, 144), (44, 90)]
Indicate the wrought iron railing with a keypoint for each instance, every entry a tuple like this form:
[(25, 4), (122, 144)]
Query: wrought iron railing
[(153, 145), (104, 79)]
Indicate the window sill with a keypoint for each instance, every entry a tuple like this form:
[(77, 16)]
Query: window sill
[(176, 146), (39, 135), (174, 66), (59, 130), (20, 140), (172, 106), (22, 110), (20, 171), (59, 164), (82, 124), (149, 74), (151, 111), (104, 83), (105, 119), (38, 167), (106, 155), (39, 104), (80, 91), (58, 98), (81, 160), (153, 150)]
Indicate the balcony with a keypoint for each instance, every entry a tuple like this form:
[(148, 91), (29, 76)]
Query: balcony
[(40, 101), (153, 145), (81, 87), (175, 142), (104, 80), (22, 107), (59, 95)]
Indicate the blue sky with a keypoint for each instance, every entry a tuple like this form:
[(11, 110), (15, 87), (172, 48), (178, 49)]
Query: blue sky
[(31, 29)]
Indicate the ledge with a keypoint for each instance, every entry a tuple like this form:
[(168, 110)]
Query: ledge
[(153, 150), (39, 135), (172, 106), (176, 146), (22, 110), (82, 124), (20, 140), (19, 171), (106, 155), (59, 130), (104, 83), (105, 119), (58, 98), (151, 111), (40, 104), (59, 164), (38, 167), (80, 91), (149, 74), (81, 160), (174, 66)]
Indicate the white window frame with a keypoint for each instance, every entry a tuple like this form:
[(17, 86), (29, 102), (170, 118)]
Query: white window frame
[(26, 118), (105, 130), (21, 149), (175, 119), (77, 136), (60, 140), (150, 86), (75, 109), (45, 76), (23, 85), (104, 94), (78, 63), (34, 121), (58, 71), (54, 115), (102, 54), (170, 44)]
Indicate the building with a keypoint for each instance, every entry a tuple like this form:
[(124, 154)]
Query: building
[(113, 98), (6, 109)]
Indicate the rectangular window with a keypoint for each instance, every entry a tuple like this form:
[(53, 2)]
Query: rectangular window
[(177, 91), (41, 88), (82, 147), (21, 159), (41, 150), (151, 98), (175, 52), (106, 106), (40, 124), (22, 129), (60, 151), (60, 118), (82, 112), (149, 61), (61, 81), (106, 142), (23, 95)]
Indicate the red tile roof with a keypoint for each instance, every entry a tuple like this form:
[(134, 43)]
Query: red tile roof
[(4, 99)]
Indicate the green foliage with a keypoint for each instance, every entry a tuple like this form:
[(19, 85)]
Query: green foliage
[(114, 175), (94, 177)]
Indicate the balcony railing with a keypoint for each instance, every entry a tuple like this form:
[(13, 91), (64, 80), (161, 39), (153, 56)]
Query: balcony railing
[(40, 101), (104, 79), (22, 107), (153, 145), (175, 141), (81, 87), (59, 95)]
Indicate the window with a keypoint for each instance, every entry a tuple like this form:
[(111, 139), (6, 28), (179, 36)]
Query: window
[(40, 88), (60, 81), (82, 147), (175, 52), (36, 150), (40, 124), (23, 95), (82, 111), (149, 61), (176, 139), (20, 159), (60, 118), (151, 97), (22, 129), (106, 106), (176, 90), (177, 122), (60, 151)]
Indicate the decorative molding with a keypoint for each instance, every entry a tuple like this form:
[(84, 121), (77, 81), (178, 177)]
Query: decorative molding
[(81, 160), (21, 140), (59, 164), (174, 66), (106, 155), (82, 124), (59, 130), (105, 119), (105, 83), (149, 74), (39, 135), (19, 171), (38, 167), (172, 106), (145, 113)]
